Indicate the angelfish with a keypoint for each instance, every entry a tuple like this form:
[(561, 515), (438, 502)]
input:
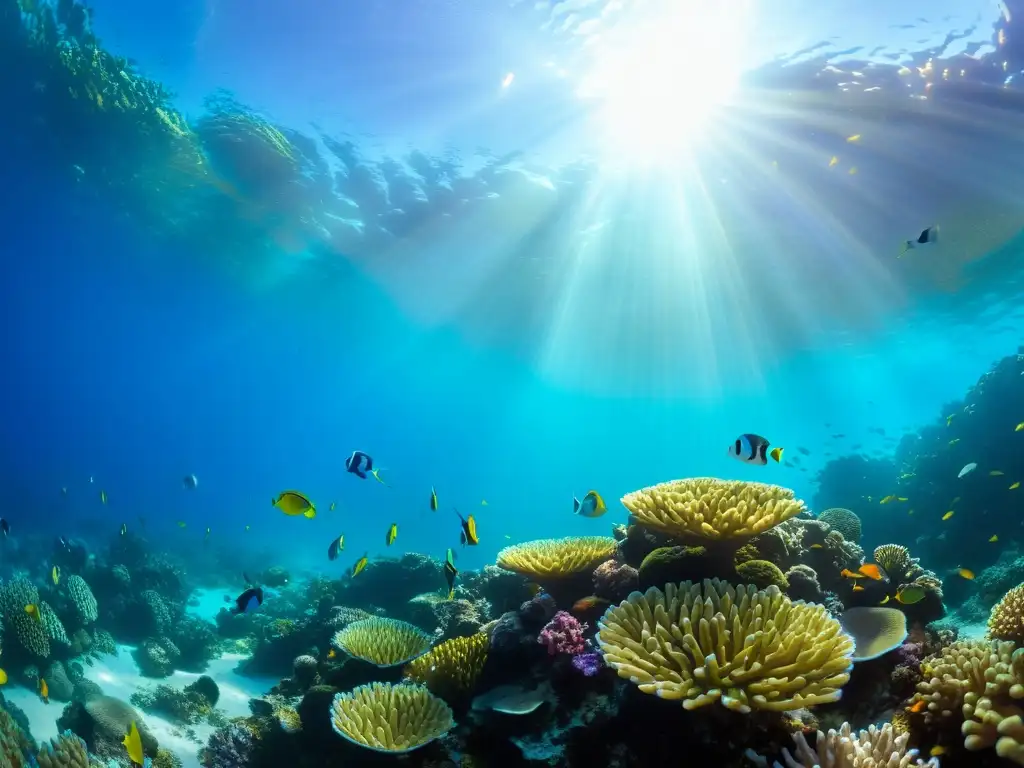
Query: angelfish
[(249, 601), (753, 449), (359, 464)]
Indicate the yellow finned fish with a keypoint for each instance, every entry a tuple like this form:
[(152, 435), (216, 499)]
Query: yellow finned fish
[(103, 497), (392, 534), (360, 564), (853, 139), (44, 692), (293, 503), (884, 600), (1015, 486), (948, 515), (910, 594), (888, 499), (3, 677), (1019, 427), (133, 744), (936, 751), (993, 539), (902, 498), (966, 573), (833, 162), (376, 475), (33, 610), (55, 575), (433, 499), (949, 419), (468, 535)]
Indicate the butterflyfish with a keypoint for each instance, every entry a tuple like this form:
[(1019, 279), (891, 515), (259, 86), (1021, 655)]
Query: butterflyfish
[(468, 530), (293, 503), (966, 573), (753, 449), (910, 594), (359, 464), (591, 506), (336, 547), (44, 691)]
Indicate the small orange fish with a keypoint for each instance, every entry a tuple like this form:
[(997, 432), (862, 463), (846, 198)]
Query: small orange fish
[(858, 588), (918, 706), (846, 573), (588, 603), (967, 573), (872, 571), (44, 691)]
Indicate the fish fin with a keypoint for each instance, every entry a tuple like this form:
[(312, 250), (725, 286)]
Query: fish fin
[(576, 505), (777, 454)]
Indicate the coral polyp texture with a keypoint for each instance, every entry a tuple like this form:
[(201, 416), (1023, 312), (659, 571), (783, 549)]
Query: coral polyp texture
[(452, 666), (1006, 622), (555, 558), (712, 508), (894, 559), (747, 648), (843, 520), (873, 748), (66, 751), (390, 718), (384, 642), (82, 598)]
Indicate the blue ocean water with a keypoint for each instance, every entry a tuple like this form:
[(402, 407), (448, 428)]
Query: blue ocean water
[(466, 283)]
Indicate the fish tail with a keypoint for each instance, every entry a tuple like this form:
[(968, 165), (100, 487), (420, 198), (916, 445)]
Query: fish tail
[(576, 505)]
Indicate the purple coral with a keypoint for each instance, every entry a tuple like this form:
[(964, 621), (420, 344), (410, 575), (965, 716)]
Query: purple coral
[(587, 663), (564, 634)]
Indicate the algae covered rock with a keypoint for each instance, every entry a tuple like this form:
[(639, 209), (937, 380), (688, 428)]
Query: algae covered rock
[(672, 564), (762, 573)]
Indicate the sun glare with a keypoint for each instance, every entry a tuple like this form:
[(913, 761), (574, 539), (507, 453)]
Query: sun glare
[(656, 82)]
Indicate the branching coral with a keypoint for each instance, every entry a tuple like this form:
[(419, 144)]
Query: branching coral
[(452, 666), (844, 521), (749, 649), (66, 751), (1006, 622), (390, 718), (873, 748), (384, 642), (554, 558), (712, 508)]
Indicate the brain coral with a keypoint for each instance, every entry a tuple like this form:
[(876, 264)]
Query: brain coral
[(82, 598), (712, 508), (844, 521), (451, 667), (384, 642), (390, 718), (762, 573), (873, 748), (1006, 622), (749, 649), (548, 558)]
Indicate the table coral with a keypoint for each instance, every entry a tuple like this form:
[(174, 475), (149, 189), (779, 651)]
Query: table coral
[(557, 558), (390, 718)]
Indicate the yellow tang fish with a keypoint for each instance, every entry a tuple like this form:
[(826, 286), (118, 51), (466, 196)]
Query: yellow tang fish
[(360, 564), (993, 539), (1015, 486), (392, 534), (44, 691), (3, 677), (995, 473), (133, 744), (888, 499), (293, 503), (33, 610), (55, 575), (103, 497), (948, 515)]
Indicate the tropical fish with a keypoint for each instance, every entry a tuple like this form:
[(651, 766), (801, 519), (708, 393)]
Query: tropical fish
[(293, 503), (133, 743), (1019, 427), (124, 528), (817, 546), (918, 706), (359, 565), (591, 506), (833, 162), (888, 499), (948, 515), (451, 573), (995, 473), (949, 419), (968, 468), (966, 573), (33, 610), (5, 527), (331, 508), (884, 600), (377, 477), (858, 588), (190, 481), (853, 139), (392, 534), (468, 530), (331, 653), (3, 677), (207, 534), (873, 571), (44, 691), (908, 475), (55, 575), (103, 497), (433, 499), (483, 502), (1014, 486), (937, 750), (928, 235), (753, 449), (249, 600), (359, 464), (993, 539), (910, 594), (337, 547), (588, 603)]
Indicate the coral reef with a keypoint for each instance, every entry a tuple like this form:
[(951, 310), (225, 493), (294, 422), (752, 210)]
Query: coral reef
[(1007, 619), (545, 559), (451, 668), (383, 642), (390, 718), (872, 748)]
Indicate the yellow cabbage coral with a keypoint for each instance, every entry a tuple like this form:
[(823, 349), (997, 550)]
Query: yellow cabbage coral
[(748, 648), (712, 508), (552, 558), (390, 718), (384, 642), (451, 667), (1006, 622)]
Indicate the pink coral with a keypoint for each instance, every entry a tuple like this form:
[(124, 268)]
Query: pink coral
[(563, 634), (614, 580)]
